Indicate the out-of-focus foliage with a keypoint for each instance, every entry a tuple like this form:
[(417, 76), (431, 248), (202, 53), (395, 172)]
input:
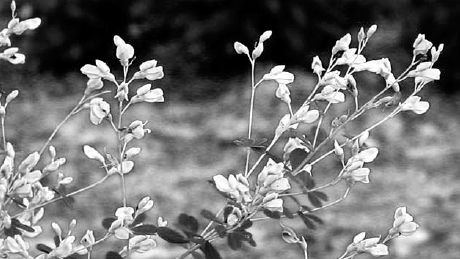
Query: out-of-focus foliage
[(193, 37)]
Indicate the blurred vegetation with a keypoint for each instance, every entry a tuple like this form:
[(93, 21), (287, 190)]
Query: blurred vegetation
[(193, 38)]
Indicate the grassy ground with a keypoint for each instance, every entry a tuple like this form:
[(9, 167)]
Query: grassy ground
[(191, 142)]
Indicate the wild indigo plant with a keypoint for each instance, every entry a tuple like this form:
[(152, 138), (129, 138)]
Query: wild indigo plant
[(278, 187)]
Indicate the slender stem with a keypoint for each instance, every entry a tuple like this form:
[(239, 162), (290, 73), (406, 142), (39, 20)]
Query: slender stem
[(320, 121), (120, 148), (261, 157), (100, 181), (211, 222), (58, 127), (343, 197), (3, 132), (251, 113)]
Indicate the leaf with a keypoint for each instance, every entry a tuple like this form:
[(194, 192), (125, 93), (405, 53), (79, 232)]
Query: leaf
[(44, 248), (314, 218), (113, 255), (308, 180), (221, 230), (146, 229), (297, 156), (252, 143), (234, 241), (227, 211), (11, 232), (210, 252), (310, 224), (188, 223), (139, 219), (306, 208), (18, 224), (171, 236), (196, 255), (57, 240), (288, 213), (272, 214), (107, 222), (209, 215), (321, 195), (314, 200), (246, 224)]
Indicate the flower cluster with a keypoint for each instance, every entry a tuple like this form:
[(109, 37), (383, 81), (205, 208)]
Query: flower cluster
[(15, 27)]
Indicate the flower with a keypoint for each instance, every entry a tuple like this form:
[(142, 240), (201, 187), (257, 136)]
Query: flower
[(145, 94), (124, 51), (240, 48), (18, 27), (317, 66), (282, 92), (370, 246), (272, 202), (330, 94), (403, 223), (92, 153), (140, 244), (421, 45), (100, 70), (425, 73), (281, 77), (305, 115), (349, 57), (12, 55), (99, 109), (271, 178), (381, 67), (414, 104), (237, 187), (136, 130), (342, 44), (144, 205), (149, 71), (125, 214)]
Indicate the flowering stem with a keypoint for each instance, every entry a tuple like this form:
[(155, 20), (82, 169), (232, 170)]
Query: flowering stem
[(64, 196), (320, 121)]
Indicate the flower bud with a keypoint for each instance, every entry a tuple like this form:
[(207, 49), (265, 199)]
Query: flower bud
[(11, 96), (258, 51), (361, 35), (265, 36), (92, 153), (240, 48), (371, 31)]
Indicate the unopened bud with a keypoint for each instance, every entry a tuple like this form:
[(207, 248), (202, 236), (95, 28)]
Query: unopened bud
[(11, 96), (361, 35), (371, 31), (240, 48), (258, 51)]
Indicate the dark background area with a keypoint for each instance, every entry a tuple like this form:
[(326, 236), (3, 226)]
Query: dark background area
[(193, 39)]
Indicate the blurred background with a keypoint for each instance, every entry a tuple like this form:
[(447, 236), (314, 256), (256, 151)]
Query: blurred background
[(207, 97)]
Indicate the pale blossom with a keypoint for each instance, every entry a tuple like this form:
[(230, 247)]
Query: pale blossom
[(414, 104), (421, 45), (403, 223), (146, 94), (99, 109), (149, 70), (278, 74), (124, 51)]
